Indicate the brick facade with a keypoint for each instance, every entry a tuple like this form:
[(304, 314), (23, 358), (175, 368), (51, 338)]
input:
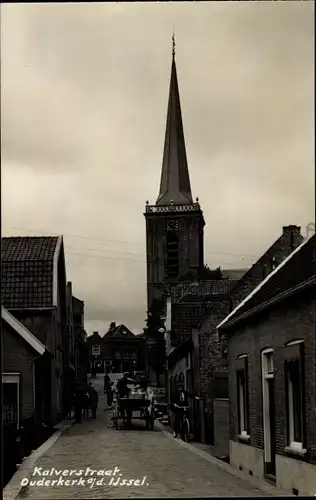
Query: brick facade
[(274, 330), (279, 316), (118, 354)]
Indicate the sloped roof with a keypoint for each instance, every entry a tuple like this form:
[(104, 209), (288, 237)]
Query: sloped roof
[(27, 271), (269, 251), (120, 331), (234, 274), (296, 269), (175, 181), (23, 332)]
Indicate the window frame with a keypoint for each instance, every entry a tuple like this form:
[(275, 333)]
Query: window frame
[(294, 354), (14, 378), (243, 422)]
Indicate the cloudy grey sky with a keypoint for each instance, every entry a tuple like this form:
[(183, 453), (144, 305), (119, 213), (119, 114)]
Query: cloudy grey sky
[(84, 91)]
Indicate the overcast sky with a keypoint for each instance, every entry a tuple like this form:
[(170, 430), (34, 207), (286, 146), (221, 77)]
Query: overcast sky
[(84, 91)]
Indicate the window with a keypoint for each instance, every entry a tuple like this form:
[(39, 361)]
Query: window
[(242, 396), (189, 381), (172, 250), (78, 319), (242, 399), (294, 403), (11, 398), (294, 388)]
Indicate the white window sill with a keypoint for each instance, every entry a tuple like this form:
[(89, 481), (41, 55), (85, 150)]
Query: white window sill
[(295, 450), (244, 437)]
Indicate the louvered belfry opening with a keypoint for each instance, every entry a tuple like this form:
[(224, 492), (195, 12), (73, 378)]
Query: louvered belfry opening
[(172, 255)]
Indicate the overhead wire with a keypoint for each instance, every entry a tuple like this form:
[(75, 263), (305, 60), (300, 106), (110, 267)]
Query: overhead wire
[(115, 241)]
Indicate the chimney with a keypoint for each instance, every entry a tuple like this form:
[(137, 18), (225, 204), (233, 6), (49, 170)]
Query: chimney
[(291, 229), (95, 333), (294, 232)]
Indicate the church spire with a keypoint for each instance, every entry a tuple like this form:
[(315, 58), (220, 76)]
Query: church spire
[(175, 181)]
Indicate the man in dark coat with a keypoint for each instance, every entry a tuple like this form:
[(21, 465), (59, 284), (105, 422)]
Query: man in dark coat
[(93, 399), (79, 395), (123, 392), (180, 401)]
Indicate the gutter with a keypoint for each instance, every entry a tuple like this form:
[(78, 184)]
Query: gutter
[(55, 270), (275, 300)]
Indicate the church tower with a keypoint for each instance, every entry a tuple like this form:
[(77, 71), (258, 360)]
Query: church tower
[(174, 225)]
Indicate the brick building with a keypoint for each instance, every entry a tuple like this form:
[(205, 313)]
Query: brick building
[(272, 375), (118, 351), (81, 351), (34, 291), (196, 310), (26, 366)]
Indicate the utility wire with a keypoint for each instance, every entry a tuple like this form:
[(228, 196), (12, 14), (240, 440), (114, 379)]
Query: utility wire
[(73, 236), (118, 241)]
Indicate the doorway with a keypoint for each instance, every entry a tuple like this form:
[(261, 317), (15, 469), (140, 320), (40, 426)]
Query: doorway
[(268, 408)]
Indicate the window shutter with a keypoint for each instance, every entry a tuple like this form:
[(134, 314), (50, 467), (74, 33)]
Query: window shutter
[(290, 354), (242, 365)]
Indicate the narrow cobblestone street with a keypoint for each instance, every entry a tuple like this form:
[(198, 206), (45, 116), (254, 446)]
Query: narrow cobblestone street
[(170, 469)]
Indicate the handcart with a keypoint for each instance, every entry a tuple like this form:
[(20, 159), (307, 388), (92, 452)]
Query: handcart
[(130, 405)]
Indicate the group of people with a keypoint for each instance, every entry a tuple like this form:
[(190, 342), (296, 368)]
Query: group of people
[(85, 398)]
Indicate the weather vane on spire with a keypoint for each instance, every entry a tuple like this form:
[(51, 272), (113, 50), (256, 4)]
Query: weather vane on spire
[(173, 44)]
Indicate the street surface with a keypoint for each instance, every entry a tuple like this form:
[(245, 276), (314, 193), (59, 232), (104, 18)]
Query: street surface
[(160, 466)]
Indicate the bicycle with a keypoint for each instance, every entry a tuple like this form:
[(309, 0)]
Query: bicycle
[(184, 424)]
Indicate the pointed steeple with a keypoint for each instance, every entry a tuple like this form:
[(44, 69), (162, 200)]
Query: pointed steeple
[(175, 181)]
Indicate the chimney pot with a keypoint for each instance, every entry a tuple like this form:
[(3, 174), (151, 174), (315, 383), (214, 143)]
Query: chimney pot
[(292, 228)]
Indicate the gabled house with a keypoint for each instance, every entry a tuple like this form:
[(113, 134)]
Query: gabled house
[(272, 375), (118, 351), (33, 290), (26, 368)]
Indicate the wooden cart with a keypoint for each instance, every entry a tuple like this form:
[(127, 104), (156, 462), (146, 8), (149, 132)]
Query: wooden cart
[(144, 406)]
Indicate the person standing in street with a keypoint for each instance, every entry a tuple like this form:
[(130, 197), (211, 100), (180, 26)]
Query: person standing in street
[(123, 392), (78, 402), (108, 390), (179, 403), (93, 399)]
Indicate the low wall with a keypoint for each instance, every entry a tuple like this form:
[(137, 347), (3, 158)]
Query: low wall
[(246, 458), (293, 475)]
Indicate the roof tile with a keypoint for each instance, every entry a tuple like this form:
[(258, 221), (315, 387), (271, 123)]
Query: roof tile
[(27, 271)]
